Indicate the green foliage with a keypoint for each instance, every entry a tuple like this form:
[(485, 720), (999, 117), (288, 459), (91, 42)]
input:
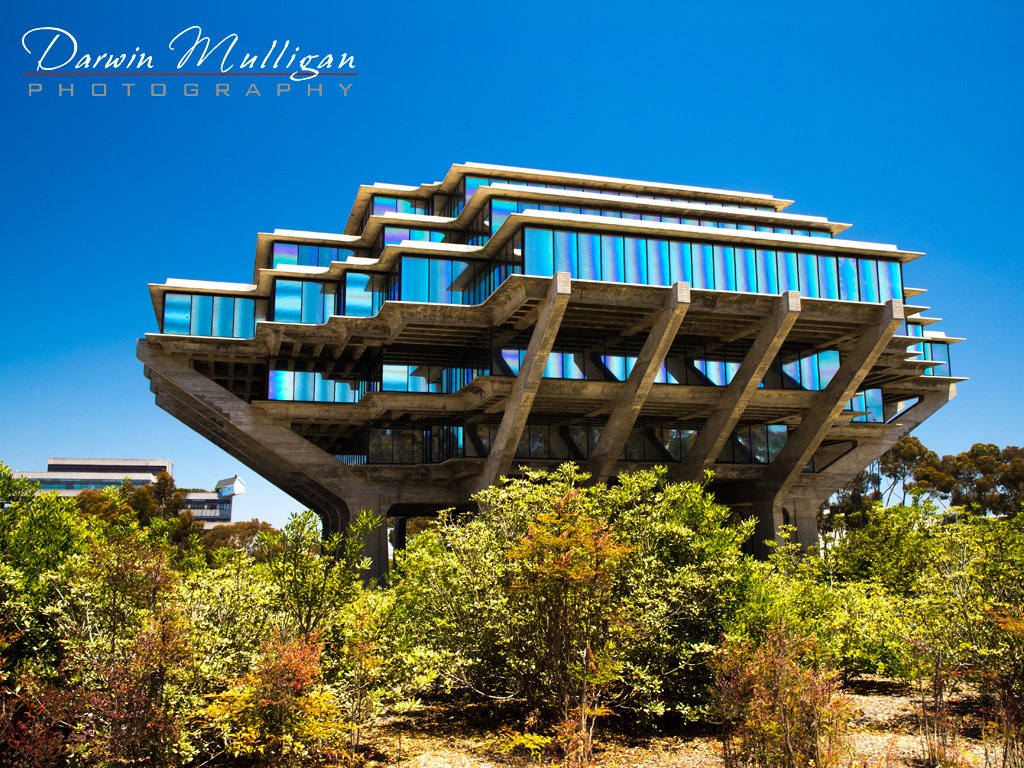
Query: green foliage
[(983, 479), (313, 577), (644, 574), (777, 708)]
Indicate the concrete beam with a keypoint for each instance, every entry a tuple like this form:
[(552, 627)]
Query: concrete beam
[(517, 410), (630, 400), (291, 455), (817, 421), (722, 421)]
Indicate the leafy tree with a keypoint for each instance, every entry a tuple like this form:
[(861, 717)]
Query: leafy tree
[(900, 464), (983, 480), (313, 577), (243, 535)]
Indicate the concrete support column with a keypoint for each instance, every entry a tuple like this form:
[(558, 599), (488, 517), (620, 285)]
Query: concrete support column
[(817, 421), (719, 426), (631, 400), (375, 543), (524, 390)]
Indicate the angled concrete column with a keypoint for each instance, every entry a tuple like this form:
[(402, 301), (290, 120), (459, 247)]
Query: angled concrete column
[(269, 447), (375, 543), (517, 409), (817, 421), (722, 421), (631, 399)]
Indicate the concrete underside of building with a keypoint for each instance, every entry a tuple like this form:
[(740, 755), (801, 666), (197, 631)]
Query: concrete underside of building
[(219, 386)]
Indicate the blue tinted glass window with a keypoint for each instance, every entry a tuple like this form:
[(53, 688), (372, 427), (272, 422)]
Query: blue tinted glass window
[(809, 285), (565, 253), (415, 280), (635, 260), (703, 265), (612, 267), (285, 254), (809, 377), (828, 366), (473, 183), (829, 273), (500, 211), (867, 275), (358, 297), (288, 301), (848, 290), (890, 280), (177, 313), (588, 260), (680, 270), (281, 386), (245, 318), (746, 270), (384, 205), (789, 272), (312, 303), (538, 252), (767, 272), (309, 255), (725, 268), (658, 270), (223, 315), (202, 316)]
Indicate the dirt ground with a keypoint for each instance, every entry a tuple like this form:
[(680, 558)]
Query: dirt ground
[(448, 735)]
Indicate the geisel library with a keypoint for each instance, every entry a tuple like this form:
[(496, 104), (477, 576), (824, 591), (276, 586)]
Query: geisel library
[(506, 316)]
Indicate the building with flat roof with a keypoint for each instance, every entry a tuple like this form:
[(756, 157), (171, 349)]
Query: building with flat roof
[(501, 317), (69, 477)]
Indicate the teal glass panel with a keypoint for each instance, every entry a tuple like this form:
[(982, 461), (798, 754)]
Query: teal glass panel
[(635, 260), (415, 279), (455, 271), (792, 371), (323, 389), (658, 270), (703, 265), (395, 378), (828, 272), (809, 377), (202, 316), (612, 254), (384, 205), (848, 290), (746, 270), (358, 296), (312, 303), (725, 268), (285, 254), (287, 301), (281, 386), (778, 434), (789, 272), (473, 183), (890, 280), (245, 318), (873, 405), (588, 256), (616, 365), (809, 284), (867, 276), (538, 252), (304, 386), (223, 315), (680, 270), (177, 313), (309, 255), (828, 366), (500, 211), (565, 252), (767, 272)]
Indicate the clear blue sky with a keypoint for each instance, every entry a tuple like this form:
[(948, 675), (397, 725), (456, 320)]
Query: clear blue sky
[(902, 118)]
